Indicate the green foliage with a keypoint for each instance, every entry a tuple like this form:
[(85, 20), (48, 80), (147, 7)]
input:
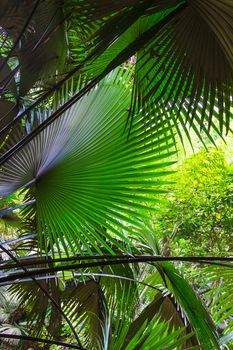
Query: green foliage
[(9, 220), (198, 214), (94, 95)]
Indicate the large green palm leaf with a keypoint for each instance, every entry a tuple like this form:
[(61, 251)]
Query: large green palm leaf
[(87, 176), (190, 307)]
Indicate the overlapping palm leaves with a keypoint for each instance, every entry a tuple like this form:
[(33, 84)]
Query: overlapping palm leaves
[(92, 165), (191, 77), (111, 309)]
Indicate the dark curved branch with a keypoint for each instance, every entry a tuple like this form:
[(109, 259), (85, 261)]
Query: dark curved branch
[(42, 261), (130, 260), (40, 340), (48, 296), (120, 259)]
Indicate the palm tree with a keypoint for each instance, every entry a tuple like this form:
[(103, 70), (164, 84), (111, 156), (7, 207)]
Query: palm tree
[(93, 97)]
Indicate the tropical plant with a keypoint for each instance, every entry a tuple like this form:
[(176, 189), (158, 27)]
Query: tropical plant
[(93, 97), (197, 215)]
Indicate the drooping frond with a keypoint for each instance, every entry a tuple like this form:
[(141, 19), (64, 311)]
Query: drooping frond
[(195, 312), (216, 286), (183, 63)]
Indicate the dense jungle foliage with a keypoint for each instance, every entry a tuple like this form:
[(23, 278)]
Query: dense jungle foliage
[(116, 175)]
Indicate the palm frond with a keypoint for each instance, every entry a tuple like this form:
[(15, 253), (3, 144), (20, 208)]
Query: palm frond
[(216, 286), (146, 330), (39, 42), (75, 159), (191, 305), (183, 64), (40, 311), (85, 305)]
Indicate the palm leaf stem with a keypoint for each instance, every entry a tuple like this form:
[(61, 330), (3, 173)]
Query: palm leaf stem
[(87, 274), (16, 240), (144, 259), (53, 301), (62, 260), (40, 340), (19, 249), (9, 210), (125, 258)]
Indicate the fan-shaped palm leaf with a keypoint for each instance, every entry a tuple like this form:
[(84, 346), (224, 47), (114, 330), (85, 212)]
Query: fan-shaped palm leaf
[(85, 174)]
